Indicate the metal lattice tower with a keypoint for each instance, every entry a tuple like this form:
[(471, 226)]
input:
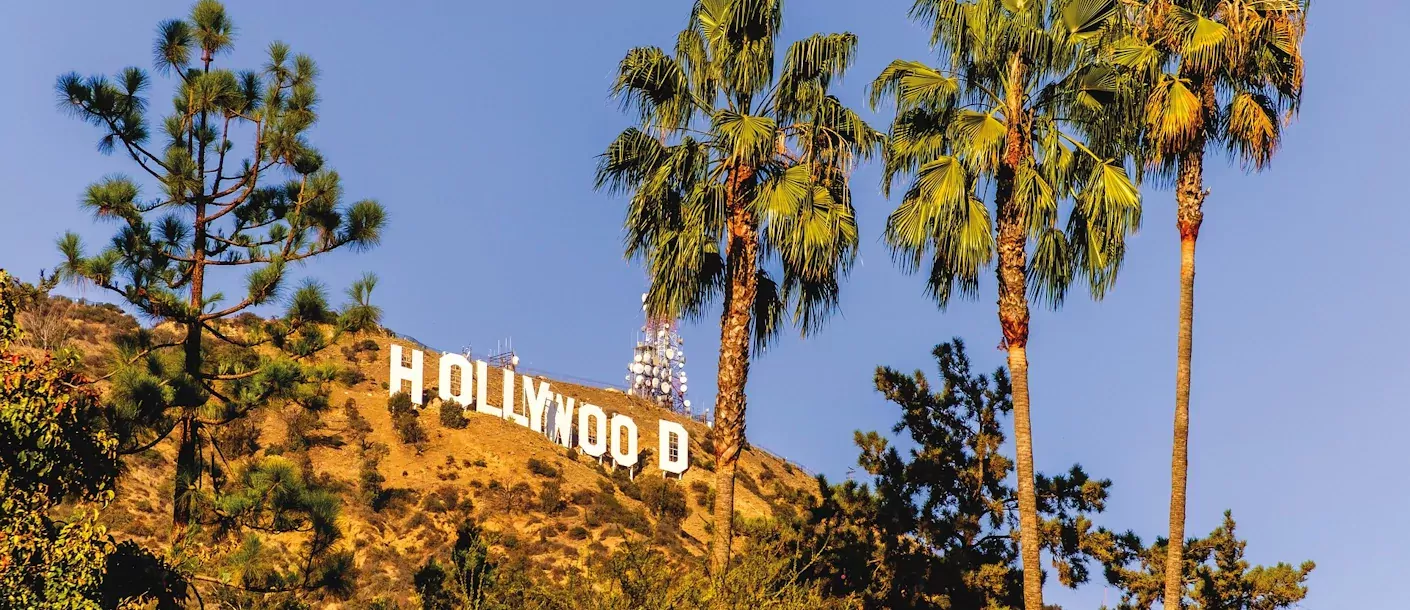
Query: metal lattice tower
[(657, 369)]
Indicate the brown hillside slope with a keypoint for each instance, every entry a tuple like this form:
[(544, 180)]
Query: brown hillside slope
[(481, 472)]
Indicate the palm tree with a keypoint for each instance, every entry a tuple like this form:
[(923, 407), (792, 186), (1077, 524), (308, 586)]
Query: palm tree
[(1020, 106), (738, 172), (1221, 73)]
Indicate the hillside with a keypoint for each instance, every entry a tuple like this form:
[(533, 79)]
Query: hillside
[(548, 507)]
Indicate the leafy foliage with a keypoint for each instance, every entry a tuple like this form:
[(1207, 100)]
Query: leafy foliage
[(938, 526), (53, 449), (663, 498), (406, 420), (634, 577), (453, 415), (1225, 73), (724, 126), (1022, 104), (472, 579), (1216, 575)]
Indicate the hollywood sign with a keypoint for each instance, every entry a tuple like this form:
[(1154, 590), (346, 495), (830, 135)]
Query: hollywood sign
[(547, 413)]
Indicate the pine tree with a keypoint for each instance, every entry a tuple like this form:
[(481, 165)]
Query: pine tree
[(1215, 575), (938, 526), (228, 182)]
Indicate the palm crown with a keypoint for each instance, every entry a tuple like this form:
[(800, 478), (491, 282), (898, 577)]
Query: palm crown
[(1220, 71), (721, 121), (1020, 104)]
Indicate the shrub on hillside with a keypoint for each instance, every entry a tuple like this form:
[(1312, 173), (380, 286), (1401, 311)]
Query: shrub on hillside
[(299, 426), (622, 479), (663, 498), (399, 403), (453, 415), (551, 498), (356, 423), (607, 509), (583, 497), (518, 496), (434, 503), (702, 461), (370, 480), (766, 476), (747, 481), (351, 376), (704, 494), (543, 469), (409, 430), (355, 351)]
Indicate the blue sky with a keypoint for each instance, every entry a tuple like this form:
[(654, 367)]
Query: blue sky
[(477, 124)]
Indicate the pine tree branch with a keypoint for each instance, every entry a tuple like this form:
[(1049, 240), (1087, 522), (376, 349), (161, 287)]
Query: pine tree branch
[(160, 437), (132, 147), (140, 355), (236, 342)]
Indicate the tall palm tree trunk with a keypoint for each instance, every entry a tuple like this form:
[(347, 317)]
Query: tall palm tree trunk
[(1013, 317), (1189, 197), (741, 286)]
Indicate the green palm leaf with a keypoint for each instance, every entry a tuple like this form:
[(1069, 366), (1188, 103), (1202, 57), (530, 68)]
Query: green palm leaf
[(1087, 17), (913, 85)]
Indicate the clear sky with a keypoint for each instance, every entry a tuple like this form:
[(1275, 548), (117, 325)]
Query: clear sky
[(476, 124)]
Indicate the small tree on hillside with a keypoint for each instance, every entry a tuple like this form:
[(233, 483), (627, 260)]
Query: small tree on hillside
[(227, 181)]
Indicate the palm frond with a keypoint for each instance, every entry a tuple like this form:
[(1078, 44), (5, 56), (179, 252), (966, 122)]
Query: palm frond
[(914, 85), (655, 85), (1174, 114), (1087, 17), (746, 139), (1253, 131)]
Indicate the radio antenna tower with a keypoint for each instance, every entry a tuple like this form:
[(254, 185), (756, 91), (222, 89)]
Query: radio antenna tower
[(657, 369), (504, 355)]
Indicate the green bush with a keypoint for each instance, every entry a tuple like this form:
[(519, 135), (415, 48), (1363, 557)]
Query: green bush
[(518, 496), (766, 476), (356, 423), (543, 469), (551, 498), (746, 481), (453, 415), (238, 439), (704, 494), (434, 503), (400, 403), (300, 424), (370, 479), (409, 430), (582, 497), (607, 508), (663, 498), (350, 376), (623, 481)]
